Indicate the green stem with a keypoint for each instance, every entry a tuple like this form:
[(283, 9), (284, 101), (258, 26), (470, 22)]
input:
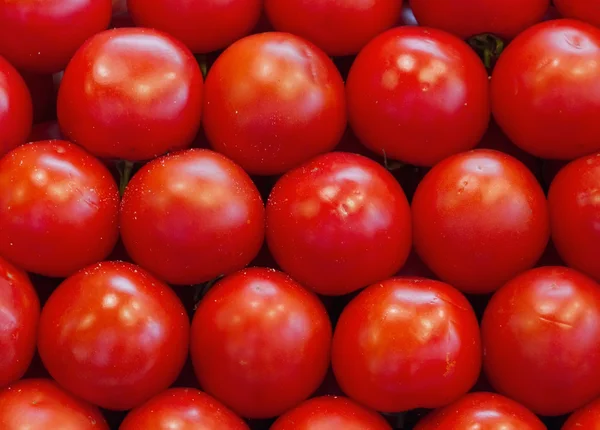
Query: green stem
[(488, 47), (125, 169)]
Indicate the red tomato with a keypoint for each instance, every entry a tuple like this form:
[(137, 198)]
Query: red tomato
[(260, 342), (113, 335), (574, 201), (16, 110), (132, 94), (540, 337), (204, 26), (273, 101), (583, 10), (40, 404), (546, 90), (467, 18), (182, 409), (482, 411), (586, 418), (42, 35), (479, 219), (339, 223), (19, 316), (60, 208), (328, 413), (339, 27), (407, 343)]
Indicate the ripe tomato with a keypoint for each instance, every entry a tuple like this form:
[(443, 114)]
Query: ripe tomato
[(540, 336), (60, 208), (587, 418), (479, 219), (260, 342), (42, 36), (418, 95), (40, 404), (132, 94), (482, 411), (16, 110), (113, 335), (575, 214), (272, 101), (188, 408), (546, 90), (407, 343), (583, 10), (338, 223)]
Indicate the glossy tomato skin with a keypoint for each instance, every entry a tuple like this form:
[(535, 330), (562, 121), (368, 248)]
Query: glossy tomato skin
[(339, 27), (185, 408), (427, 352), (587, 418), (418, 95), (260, 342), (339, 223), (582, 10), (503, 205), (272, 101), (546, 89), (40, 404), (207, 218), (60, 208), (132, 94), (204, 26), (113, 335), (575, 214), (18, 322), (540, 336)]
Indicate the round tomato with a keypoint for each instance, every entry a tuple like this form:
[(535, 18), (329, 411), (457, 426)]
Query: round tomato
[(418, 95), (60, 208), (40, 404), (113, 335), (407, 343), (132, 94), (260, 342), (16, 109), (338, 223), (479, 219), (540, 336), (546, 90), (583, 10), (272, 101), (587, 418)]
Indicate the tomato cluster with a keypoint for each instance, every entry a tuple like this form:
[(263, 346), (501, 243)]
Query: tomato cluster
[(299, 215)]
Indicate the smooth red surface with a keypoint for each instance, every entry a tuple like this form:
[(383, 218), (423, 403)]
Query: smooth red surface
[(114, 335), (546, 90), (272, 101), (540, 337), (583, 10), (479, 219), (586, 418), (206, 217), (339, 223), (59, 208), (131, 93), (418, 95), (407, 343), (260, 342)]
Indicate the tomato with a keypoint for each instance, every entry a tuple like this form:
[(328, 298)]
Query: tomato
[(583, 10), (40, 404), (587, 418), (42, 35), (328, 412), (204, 26), (338, 223), (546, 90), (339, 27), (482, 411), (540, 336), (574, 205), (272, 101), (418, 95), (113, 335), (260, 342), (182, 409), (60, 208), (407, 343), (466, 18), (479, 219), (132, 94), (16, 109)]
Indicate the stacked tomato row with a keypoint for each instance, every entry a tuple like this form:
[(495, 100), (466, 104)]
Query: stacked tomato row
[(299, 214)]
